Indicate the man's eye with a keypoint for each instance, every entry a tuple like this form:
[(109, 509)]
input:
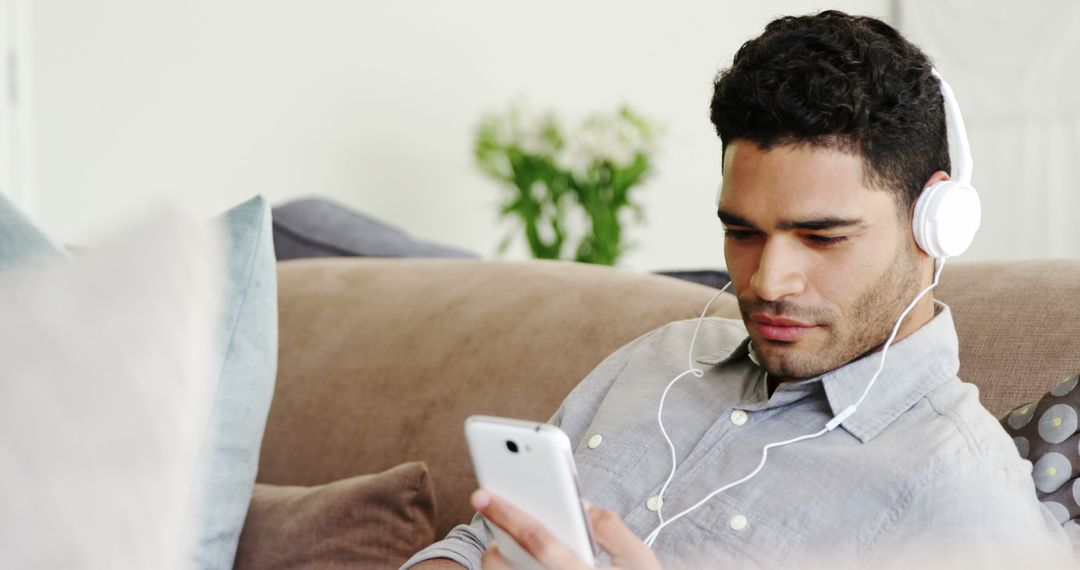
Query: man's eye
[(826, 240)]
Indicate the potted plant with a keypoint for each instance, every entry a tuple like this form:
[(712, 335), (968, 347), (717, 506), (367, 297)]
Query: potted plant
[(570, 189)]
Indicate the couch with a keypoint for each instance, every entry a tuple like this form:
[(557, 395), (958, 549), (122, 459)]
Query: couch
[(381, 360)]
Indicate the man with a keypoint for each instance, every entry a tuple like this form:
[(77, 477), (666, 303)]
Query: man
[(831, 126)]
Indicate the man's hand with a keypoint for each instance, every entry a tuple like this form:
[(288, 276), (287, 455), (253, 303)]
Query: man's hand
[(626, 550)]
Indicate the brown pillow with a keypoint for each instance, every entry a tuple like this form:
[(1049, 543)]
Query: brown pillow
[(368, 521), (1047, 433)]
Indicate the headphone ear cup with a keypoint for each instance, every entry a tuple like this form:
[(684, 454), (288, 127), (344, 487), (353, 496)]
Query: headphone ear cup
[(946, 217), (918, 218)]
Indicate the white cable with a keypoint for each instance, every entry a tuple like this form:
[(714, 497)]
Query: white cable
[(940, 262), (649, 540), (690, 357), (698, 373), (829, 426)]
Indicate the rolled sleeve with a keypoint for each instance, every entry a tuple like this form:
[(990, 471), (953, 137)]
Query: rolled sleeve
[(464, 544)]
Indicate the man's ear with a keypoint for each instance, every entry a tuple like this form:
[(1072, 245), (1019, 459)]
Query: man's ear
[(937, 176)]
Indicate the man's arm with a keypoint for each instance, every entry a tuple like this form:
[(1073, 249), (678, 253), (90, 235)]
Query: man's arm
[(438, 564), (984, 516), (463, 547)]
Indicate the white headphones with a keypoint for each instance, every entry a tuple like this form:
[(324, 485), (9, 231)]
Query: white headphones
[(948, 213), (946, 217)]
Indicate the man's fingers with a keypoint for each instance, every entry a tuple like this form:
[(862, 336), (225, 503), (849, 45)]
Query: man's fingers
[(494, 560), (626, 549), (526, 531)]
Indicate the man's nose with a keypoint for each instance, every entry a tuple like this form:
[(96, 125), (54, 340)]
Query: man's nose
[(779, 272)]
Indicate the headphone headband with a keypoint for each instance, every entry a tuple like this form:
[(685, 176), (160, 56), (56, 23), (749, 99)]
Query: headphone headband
[(964, 164)]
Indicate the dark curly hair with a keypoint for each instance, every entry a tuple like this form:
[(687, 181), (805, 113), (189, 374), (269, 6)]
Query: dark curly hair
[(841, 81)]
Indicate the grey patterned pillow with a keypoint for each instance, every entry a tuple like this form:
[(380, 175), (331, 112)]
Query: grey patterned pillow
[(1047, 433)]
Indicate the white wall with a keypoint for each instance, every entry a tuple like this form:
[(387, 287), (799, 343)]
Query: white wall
[(1016, 73), (16, 105), (371, 103)]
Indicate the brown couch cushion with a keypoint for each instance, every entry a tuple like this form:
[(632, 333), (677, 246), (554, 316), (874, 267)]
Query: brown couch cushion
[(1019, 326), (369, 521), (381, 360)]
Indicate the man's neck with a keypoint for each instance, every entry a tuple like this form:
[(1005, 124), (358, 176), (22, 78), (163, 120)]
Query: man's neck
[(920, 315)]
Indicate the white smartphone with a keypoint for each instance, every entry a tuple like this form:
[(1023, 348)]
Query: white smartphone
[(531, 465)]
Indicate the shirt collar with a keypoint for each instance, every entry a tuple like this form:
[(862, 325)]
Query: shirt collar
[(729, 351), (915, 365)]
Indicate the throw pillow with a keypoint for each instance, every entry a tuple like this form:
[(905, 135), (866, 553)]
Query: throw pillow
[(20, 239), (1047, 433), (247, 364), (369, 521), (320, 228), (106, 374)]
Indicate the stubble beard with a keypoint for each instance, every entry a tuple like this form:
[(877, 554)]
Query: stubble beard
[(851, 334)]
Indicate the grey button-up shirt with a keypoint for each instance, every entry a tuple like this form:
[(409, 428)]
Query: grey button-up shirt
[(920, 470)]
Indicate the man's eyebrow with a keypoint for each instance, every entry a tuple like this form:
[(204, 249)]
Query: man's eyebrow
[(730, 219), (815, 224), (826, 223)]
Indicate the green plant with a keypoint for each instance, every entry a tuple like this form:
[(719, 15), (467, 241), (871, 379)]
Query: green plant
[(569, 188)]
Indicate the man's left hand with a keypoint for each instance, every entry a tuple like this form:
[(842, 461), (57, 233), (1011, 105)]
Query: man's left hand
[(626, 549)]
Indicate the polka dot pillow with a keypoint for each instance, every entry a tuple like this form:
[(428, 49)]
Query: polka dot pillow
[(1047, 433)]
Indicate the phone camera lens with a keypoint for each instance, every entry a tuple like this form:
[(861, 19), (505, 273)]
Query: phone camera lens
[(513, 447)]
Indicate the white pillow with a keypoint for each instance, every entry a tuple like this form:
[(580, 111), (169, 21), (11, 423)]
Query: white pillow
[(104, 383)]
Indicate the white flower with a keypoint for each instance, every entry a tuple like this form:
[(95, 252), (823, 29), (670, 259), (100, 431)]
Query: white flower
[(574, 158), (616, 139)]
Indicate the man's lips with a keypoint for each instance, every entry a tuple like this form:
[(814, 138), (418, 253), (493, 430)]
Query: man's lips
[(780, 329)]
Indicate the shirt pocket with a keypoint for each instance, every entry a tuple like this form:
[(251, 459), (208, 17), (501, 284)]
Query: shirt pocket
[(725, 532), (604, 470)]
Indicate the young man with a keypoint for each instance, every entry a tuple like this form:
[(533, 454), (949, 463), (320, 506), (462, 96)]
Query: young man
[(831, 127)]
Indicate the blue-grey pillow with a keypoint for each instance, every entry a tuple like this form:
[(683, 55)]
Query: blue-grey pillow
[(229, 458), (20, 239)]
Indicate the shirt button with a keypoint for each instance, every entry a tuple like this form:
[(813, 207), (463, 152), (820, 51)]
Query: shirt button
[(739, 417), (738, 522), (595, 441), (653, 504)]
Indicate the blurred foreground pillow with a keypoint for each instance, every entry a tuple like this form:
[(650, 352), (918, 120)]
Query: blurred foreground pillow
[(103, 400), (20, 239), (244, 360)]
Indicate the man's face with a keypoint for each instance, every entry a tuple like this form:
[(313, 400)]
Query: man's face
[(822, 264)]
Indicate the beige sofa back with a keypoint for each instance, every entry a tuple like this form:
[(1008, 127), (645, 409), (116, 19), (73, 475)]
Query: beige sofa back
[(382, 360)]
